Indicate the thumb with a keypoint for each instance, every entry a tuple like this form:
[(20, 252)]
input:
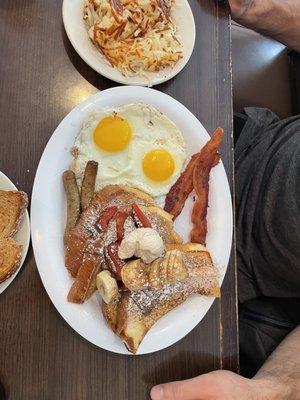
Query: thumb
[(190, 389)]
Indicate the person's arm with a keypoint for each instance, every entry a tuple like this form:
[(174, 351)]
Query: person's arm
[(279, 19), (278, 379), (284, 366)]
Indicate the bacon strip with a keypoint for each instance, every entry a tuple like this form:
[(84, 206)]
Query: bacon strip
[(179, 192), (181, 189), (207, 159)]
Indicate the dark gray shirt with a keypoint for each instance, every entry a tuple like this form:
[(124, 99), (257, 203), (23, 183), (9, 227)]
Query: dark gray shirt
[(267, 160)]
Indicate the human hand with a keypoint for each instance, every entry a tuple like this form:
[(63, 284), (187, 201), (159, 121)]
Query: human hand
[(239, 8), (218, 385)]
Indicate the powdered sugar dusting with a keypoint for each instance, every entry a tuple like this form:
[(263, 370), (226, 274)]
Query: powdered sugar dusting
[(110, 235), (129, 226), (203, 276), (157, 225), (146, 300)]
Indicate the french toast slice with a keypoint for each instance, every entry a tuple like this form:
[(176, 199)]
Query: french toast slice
[(162, 222), (190, 266), (109, 311), (85, 231), (136, 275), (126, 320), (85, 281), (136, 311), (12, 207), (10, 257)]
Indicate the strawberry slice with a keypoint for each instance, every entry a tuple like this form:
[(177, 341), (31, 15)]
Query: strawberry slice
[(105, 217), (120, 218), (139, 217), (116, 262)]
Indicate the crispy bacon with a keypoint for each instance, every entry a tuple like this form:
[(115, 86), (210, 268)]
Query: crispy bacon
[(181, 189), (207, 159), (179, 192)]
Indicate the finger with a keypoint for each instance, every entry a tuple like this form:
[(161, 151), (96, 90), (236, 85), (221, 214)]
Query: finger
[(190, 389)]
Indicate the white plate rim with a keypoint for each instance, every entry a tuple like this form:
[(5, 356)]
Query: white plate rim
[(81, 106), (24, 229), (114, 74)]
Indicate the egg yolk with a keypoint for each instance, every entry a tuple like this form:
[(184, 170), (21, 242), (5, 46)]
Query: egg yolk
[(158, 165), (112, 133)]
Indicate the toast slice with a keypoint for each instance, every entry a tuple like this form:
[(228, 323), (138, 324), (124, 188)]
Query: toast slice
[(136, 311), (12, 207), (10, 257)]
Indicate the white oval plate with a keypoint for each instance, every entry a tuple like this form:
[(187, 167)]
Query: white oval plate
[(48, 215), (22, 236), (78, 36)]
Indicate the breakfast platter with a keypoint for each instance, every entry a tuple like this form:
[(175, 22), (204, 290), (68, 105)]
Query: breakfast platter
[(118, 155), (123, 51), (156, 138), (20, 237)]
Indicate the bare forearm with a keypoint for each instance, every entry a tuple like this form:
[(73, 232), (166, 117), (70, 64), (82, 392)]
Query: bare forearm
[(278, 379), (283, 368), (279, 19)]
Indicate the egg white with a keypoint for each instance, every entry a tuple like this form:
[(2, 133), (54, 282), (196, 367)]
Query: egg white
[(150, 130)]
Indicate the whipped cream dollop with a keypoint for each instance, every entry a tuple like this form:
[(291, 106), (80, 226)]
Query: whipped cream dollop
[(144, 243)]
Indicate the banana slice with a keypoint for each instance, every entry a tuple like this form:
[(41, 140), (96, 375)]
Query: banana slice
[(107, 286)]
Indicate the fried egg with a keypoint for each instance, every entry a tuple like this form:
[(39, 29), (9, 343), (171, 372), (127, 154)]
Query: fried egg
[(134, 145)]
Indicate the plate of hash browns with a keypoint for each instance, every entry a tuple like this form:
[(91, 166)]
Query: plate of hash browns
[(134, 42), (131, 219)]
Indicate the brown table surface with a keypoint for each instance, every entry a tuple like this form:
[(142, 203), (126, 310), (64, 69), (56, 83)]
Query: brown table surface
[(41, 80)]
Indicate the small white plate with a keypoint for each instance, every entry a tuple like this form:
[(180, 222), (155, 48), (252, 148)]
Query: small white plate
[(22, 236), (78, 35), (48, 216)]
